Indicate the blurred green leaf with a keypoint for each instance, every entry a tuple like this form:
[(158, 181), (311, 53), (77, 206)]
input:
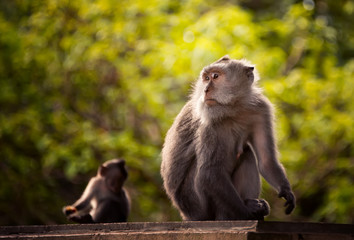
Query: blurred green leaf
[(82, 82)]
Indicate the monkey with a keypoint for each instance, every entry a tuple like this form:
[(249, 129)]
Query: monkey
[(104, 199), (218, 146)]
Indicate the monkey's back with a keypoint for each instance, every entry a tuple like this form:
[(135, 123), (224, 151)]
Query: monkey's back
[(111, 210), (179, 162)]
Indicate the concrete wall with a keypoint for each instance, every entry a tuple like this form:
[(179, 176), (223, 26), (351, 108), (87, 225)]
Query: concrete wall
[(224, 230)]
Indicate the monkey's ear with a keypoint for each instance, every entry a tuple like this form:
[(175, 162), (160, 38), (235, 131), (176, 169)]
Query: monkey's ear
[(249, 73), (224, 58), (102, 170)]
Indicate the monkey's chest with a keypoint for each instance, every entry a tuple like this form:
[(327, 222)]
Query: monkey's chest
[(221, 144), (231, 142)]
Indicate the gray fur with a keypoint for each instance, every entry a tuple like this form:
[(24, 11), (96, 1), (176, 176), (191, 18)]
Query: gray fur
[(215, 150)]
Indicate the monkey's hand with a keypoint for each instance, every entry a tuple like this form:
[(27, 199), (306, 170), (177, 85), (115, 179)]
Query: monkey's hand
[(258, 207), (68, 210), (290, 199)]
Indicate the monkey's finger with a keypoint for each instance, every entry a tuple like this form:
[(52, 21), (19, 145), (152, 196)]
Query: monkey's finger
[(288, 201), (289, 204), (289, 209)]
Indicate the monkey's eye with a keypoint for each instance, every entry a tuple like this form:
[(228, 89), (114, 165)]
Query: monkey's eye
[(215, 75), (207, 78)]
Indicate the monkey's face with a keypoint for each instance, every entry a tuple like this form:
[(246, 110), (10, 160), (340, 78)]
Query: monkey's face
[(222, 83), (212, 80), (114, 173)]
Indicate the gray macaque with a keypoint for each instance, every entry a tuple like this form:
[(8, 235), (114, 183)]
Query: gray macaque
[(219, 144), (104, 199)]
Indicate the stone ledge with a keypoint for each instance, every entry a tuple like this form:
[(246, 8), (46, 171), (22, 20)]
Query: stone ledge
[(225, 230)]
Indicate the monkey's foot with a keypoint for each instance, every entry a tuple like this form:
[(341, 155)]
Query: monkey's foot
[(68, 210), (81, 219), (258, 207)]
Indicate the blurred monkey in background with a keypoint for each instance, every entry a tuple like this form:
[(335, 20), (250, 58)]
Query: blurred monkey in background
[(104, 199)]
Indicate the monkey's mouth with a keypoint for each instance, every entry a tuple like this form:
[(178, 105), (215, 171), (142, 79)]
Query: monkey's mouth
[(210, 101)]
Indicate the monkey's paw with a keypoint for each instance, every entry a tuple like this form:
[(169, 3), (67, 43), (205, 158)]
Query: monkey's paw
[(68, 210), (290, 199), (258, 207)]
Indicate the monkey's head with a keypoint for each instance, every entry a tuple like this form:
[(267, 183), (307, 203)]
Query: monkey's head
[(114, 173), (224, 83)]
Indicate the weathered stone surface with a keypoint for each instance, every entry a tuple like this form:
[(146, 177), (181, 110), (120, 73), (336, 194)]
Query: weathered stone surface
[(225, 230)]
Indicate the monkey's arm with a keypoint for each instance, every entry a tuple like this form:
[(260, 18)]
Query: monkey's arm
[(271, 169), (78, 211), (84, 201)]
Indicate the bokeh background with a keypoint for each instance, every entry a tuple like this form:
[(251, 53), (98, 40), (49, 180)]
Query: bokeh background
[(85, 81)]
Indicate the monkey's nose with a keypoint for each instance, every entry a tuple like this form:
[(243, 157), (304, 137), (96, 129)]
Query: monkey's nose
[(206, 89)]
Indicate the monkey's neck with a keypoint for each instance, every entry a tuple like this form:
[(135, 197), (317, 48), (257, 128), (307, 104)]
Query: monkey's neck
[(219, 113)]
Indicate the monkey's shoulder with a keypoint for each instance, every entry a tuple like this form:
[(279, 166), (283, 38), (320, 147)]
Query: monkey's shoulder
[(185, 120), (261, 104)]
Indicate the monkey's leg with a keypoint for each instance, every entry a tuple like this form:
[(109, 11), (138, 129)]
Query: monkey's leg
[(188, 202), (110, 211), (247, 182), (246, 177), (82, 219), (258, 207), (221, 200)]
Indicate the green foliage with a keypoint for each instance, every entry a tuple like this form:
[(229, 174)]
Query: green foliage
[(85, 81)]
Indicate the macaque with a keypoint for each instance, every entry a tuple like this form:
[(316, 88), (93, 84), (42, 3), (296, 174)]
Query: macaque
[(219, 144), (104, 199)]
